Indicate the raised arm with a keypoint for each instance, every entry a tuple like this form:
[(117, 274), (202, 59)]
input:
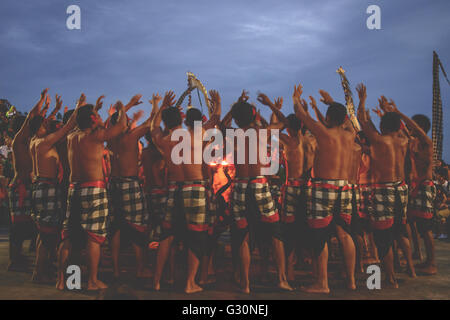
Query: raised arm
[(57, 107), (155, 126), (363, 115), (113, 131), (99, 103), (24, 131), (317, 128), (217, 107), (141, 130), (54, 137), (135, 100), (263, 99)]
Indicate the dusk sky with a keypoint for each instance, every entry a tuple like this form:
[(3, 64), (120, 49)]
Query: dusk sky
[(129, 47)]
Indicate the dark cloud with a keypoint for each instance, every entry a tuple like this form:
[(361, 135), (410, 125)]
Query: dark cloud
[(126, 47)]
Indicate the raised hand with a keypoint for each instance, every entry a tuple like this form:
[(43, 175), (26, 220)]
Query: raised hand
[(155, 100), (58, 103), (43, 95), (298, 90), (313, 102), (279, 103), (118, 105), (46, 106), (169, 99), (66, 108), (393, 106), (134, 101), (215, 98), (262, 98), (99, 103), (362, 93), (304, 104), (244, 96), (81, 101), (378, 111), (326, 98)]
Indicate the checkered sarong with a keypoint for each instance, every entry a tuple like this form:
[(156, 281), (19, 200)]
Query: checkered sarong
[(129, 202), (156, 200), (211, 206), (292, 194), (87, 206), (187, 198), (421, 199), (20, 207), (47, 209), (365, 192), (387, 204), (260, 192), (327, 199)]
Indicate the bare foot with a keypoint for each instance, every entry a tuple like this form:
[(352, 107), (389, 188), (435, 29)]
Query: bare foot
[(428, 270), (284, 285), (145, 273), (60, 285), (391, 283), (412, 273), (97, 285), (315, 289), (207, 281), (193, 289), (156, 286), (371, 261), (351, 286), (245, 290)]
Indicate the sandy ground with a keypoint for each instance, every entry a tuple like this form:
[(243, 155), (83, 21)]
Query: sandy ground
[(17, 285)]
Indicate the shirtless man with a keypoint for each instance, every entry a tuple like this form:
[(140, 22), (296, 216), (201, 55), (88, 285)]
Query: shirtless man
[(423, 191), (329, 189), (47, 212), (387, 208), (186, 190), (252, 203), (19, 194), (294, 201), (129, 214), (87, 212)]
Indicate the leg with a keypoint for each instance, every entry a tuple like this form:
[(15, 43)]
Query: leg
[(141, 271), (413, 236), (406, 248), (388, 264), (372, 249), (15, 248), (321, 283), (93, 255), (348, 247), (430, 267), (244, 253), (290, 266), (115, 250), (280, 259), (40, 263), (63, 256), (359, 244), (161, 257), (193, 263)]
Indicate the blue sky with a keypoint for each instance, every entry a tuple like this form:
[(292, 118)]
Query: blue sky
[(128, 47)]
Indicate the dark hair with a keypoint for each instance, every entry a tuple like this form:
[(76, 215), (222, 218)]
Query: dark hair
[(336, 114), (35, 124), (17, 123), (423, 121), (171, 117), (243, 113), (114, 118), (390, 122), (84, 114), (67, 115), (443, 172), (193, 114), (294, 123)]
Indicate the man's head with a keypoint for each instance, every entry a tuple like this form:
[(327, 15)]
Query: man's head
[(17, 123), (171, 117), (37, 126), (390, 122), (87, 118), (67, 115), (423, 121), (243, 113), (336, 114), (192, 115), (294, 124)]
